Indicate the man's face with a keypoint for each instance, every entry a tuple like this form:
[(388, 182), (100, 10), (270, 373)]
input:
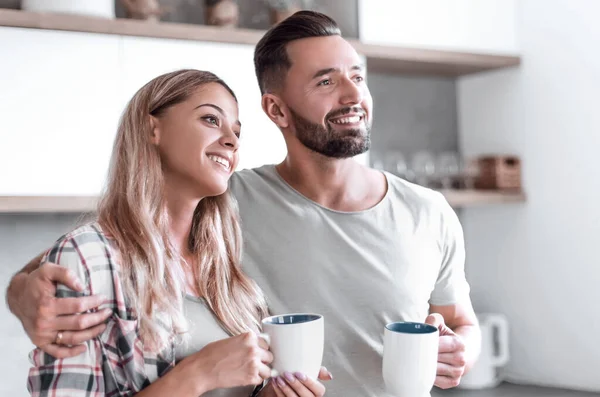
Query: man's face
[(327, 96)]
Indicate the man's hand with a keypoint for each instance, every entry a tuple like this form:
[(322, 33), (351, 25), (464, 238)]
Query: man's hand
[(43, 315), (451, 354)]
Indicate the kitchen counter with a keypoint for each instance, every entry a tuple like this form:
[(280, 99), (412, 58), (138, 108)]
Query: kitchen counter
[(510, 390)]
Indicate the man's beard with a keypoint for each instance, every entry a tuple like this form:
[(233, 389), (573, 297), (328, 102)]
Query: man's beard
[(327, 141)]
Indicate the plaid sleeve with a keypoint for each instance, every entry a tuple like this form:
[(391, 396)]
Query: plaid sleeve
[(93, 373)]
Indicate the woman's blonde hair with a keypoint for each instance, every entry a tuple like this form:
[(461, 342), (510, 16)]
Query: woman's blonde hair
[(133, 211)]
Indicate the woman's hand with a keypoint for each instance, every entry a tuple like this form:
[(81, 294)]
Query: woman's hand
[(237, 361), (296, 385)]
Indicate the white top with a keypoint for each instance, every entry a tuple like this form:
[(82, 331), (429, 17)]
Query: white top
[(204, 329), (359, 270)]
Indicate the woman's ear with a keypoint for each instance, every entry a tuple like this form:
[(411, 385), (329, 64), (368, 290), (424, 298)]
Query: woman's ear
[(276, 110), (154, 131)]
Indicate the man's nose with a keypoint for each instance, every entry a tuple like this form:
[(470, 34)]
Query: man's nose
[(351, 92)]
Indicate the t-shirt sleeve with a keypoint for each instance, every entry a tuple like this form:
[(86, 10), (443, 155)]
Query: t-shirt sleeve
[(451, 286)]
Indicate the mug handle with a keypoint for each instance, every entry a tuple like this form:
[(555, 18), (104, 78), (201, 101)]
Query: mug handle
[(267, 338)]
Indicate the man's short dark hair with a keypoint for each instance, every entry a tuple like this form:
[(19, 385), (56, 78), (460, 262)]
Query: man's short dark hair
[(271, 60)]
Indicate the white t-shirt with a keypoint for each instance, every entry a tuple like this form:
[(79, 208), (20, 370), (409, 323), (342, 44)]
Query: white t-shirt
[(360, 270)]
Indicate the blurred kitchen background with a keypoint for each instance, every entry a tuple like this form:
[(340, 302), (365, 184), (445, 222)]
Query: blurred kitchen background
[(493, 102)]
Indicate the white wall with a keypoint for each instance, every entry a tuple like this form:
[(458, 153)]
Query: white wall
[(538, 263), (462, 25)]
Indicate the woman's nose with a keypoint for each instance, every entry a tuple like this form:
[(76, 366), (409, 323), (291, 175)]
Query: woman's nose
[(230, 140)]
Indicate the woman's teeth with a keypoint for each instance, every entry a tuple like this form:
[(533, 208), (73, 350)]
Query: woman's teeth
[(220, 160)]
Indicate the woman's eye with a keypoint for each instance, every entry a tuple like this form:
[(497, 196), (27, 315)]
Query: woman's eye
[(211, 119)]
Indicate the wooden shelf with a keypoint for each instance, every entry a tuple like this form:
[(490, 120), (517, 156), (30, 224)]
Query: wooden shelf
[(380, 59), (471, 198), (44, 204), (77, 204)]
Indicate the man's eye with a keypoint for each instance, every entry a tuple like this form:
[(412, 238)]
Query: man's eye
[(359, 78), (325, 82)]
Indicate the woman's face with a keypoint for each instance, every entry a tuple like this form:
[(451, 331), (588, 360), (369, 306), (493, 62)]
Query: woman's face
[(198, 141)]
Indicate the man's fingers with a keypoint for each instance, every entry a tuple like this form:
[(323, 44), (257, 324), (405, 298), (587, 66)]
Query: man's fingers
[(456, 359), (79, 322), (449, 371), (77, 305), (450, 344), (444, 382), (434, 319), (61, 275), (64, 351), (71, 338)]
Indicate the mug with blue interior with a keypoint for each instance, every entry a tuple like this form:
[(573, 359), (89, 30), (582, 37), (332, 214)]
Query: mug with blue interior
[(410, 352), (296, 341)]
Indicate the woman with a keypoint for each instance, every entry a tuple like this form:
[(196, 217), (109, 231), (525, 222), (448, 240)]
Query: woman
[(165, 252)]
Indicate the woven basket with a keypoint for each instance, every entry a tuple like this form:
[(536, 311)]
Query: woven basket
[(499, 172)]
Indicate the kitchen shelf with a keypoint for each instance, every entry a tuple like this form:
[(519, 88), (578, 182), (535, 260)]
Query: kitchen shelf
[(380, 58), (471, 198), (45, 204), (77, 204)]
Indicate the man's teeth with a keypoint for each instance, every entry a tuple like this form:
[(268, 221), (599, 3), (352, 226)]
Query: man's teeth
[(220, 160), (347, 120)]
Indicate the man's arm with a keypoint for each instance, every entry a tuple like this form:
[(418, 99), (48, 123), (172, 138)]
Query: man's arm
[(460, 341), (17, 282), (31, 298)]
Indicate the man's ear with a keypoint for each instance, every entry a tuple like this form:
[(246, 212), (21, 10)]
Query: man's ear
[(276, 110), (154, 131)]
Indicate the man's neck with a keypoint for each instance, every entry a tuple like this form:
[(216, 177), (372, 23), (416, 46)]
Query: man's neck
[(338, 184)]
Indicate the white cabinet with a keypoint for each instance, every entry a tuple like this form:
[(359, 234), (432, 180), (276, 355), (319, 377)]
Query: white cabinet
[(144, 59), (57, 111), (62, 93), (481, 26)]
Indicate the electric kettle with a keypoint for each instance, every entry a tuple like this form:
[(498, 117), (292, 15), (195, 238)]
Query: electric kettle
[(494, 353)]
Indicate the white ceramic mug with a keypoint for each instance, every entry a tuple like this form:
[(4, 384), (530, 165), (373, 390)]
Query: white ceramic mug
[(296, 341), (410, 352)]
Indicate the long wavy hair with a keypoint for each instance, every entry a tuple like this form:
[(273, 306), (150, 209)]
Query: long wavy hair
[(133, 211)]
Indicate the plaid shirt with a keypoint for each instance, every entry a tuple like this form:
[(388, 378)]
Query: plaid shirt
[(115, 363)]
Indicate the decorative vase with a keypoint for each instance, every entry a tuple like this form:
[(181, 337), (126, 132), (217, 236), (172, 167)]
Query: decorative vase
[(224, 13), (94, 8)]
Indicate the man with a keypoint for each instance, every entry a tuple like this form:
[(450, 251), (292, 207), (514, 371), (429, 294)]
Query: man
[(322, 233)]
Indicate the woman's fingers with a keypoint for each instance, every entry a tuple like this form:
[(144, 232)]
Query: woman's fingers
[(299, 385), (316, 388), (324, 374), (264, 371), (266, 356), (276, 388)]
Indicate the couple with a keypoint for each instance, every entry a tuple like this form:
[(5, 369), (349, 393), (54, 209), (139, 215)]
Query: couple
[(321, 234)]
